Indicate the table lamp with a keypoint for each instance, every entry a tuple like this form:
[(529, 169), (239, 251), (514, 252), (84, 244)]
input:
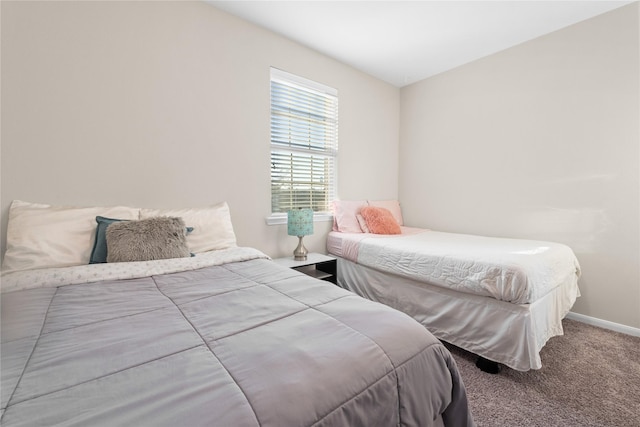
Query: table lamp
[(300, 223)]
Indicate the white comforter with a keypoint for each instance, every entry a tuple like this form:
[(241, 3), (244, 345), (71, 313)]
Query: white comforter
[(513, 270)]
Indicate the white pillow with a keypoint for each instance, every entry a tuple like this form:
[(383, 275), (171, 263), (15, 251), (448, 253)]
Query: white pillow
[(42, 236), (392, 205), (344, 214), (212, 227)]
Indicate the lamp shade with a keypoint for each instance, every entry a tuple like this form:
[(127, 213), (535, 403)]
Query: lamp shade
[(300, 222)]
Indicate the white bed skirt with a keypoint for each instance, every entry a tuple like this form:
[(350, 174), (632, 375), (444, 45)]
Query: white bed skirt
[(511, 334)]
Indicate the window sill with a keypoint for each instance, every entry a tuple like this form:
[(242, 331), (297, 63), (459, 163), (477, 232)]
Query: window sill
[(282, 219)]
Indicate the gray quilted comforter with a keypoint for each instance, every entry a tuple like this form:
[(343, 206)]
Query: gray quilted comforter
[(242, 344)]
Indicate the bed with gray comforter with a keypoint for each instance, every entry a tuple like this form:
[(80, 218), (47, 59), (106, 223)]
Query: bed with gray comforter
[(246, 343)]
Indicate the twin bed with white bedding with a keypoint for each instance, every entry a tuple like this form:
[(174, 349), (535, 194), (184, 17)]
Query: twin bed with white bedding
[(226, 337), (501, 299)]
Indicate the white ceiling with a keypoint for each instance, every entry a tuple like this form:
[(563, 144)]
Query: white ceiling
[(402, 42)]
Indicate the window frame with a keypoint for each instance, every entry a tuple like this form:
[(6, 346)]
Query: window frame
[(310, 85)]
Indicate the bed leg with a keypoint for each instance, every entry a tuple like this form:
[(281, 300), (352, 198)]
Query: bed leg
[(487, 365)]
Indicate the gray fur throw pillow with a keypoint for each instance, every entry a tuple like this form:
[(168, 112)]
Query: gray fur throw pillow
[(147, 239)]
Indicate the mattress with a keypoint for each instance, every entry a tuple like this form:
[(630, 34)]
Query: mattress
[(240, 342), (512, 270)]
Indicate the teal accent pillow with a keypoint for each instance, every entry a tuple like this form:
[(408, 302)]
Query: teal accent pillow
[(189, 230), (99, 252)]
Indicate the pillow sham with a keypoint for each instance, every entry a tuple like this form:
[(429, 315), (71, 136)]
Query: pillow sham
[(44, 236), (344, 214), (392, 205), (147, 239), (212, 227), (380, 220)]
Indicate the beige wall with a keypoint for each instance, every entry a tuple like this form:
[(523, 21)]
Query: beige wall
[(166, 104), (540, 141)]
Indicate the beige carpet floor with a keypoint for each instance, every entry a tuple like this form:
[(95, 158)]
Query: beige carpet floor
[(590, 377)]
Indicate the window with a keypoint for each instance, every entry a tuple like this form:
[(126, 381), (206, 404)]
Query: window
[(304, 145)]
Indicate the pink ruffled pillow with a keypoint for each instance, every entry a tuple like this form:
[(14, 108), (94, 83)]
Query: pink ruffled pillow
[(380, 220)]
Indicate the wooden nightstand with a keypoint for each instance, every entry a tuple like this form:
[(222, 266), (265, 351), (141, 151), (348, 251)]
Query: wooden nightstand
[(316, 265)]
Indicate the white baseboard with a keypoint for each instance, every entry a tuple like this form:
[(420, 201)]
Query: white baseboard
[(604, 324)]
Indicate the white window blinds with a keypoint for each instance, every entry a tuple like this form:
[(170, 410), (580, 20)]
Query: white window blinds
[(304, 143)]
